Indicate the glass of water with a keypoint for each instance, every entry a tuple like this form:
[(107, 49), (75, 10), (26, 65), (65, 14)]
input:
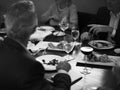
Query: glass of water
[(75, 34)]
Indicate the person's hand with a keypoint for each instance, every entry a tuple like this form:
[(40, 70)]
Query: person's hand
[(95, 29), (85, 36), (63, 65)]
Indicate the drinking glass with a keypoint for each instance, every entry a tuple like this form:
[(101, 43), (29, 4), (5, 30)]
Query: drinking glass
[(86, 50), (64, 26), (75, 34), (68, 47), (45, 49)]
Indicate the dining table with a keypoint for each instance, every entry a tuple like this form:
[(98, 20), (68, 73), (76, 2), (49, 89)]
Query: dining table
[(80, 81)]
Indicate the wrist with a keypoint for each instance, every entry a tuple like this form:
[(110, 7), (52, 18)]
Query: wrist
[(62, 71)]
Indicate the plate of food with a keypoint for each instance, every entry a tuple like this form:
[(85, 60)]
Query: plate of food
[(50, 61), (101, 44), (99, 61), (99, 58), (56, 46)]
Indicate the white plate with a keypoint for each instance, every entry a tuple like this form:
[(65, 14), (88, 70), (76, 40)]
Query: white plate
[(48, 58), (49, 28), (105, 44), (59, 33)]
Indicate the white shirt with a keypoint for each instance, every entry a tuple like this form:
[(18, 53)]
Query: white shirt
[(114, 20)]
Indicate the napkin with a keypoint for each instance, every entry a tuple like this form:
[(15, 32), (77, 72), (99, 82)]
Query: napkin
[(40, 35)]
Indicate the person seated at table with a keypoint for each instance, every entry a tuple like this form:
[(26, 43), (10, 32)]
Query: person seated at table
[(61, 11), (106, 24), (18, 69)]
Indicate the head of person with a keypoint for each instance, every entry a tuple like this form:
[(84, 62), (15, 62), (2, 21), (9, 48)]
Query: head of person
[(113, 5), (21, 20)]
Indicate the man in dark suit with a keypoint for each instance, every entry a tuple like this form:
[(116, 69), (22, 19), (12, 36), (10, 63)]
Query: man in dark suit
[(107, 21), (18, 69)]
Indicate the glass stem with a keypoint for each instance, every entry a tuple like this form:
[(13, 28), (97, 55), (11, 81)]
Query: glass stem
[(75, 42)]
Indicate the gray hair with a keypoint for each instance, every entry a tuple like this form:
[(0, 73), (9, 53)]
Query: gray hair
[(21, 19)]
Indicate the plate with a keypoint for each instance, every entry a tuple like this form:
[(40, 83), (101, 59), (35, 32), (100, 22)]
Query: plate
[(59, 33), (55, 46), (117, 50), (43, 28), (101, 44), (47, 59)]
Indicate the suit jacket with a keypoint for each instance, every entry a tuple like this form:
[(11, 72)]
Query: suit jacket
[(20, 71), (103, 18)]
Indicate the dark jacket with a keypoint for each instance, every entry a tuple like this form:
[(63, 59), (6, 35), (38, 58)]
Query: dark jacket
[(20, 71)]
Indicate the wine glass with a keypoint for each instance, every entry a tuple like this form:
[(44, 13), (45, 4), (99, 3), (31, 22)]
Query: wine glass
[(64, 26), (68, 47), (86, 50), (75, 35)]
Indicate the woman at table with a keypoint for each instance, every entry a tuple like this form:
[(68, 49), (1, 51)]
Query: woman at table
[(59, 11)]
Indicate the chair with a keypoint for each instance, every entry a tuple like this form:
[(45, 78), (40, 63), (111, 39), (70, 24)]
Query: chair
[(83, 20)]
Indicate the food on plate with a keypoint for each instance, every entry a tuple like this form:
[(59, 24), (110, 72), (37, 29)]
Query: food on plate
[(101, 44), (103, 58), (117, 50), (51, 62), (50, 45), (60, 45), (92, 58)]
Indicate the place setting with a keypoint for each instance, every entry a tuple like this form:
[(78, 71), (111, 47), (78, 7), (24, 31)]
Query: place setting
[(101, 44), (50, 62)]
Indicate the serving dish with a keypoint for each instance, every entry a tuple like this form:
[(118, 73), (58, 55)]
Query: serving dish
[(100, 61), (101, 44), (56, 46)]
